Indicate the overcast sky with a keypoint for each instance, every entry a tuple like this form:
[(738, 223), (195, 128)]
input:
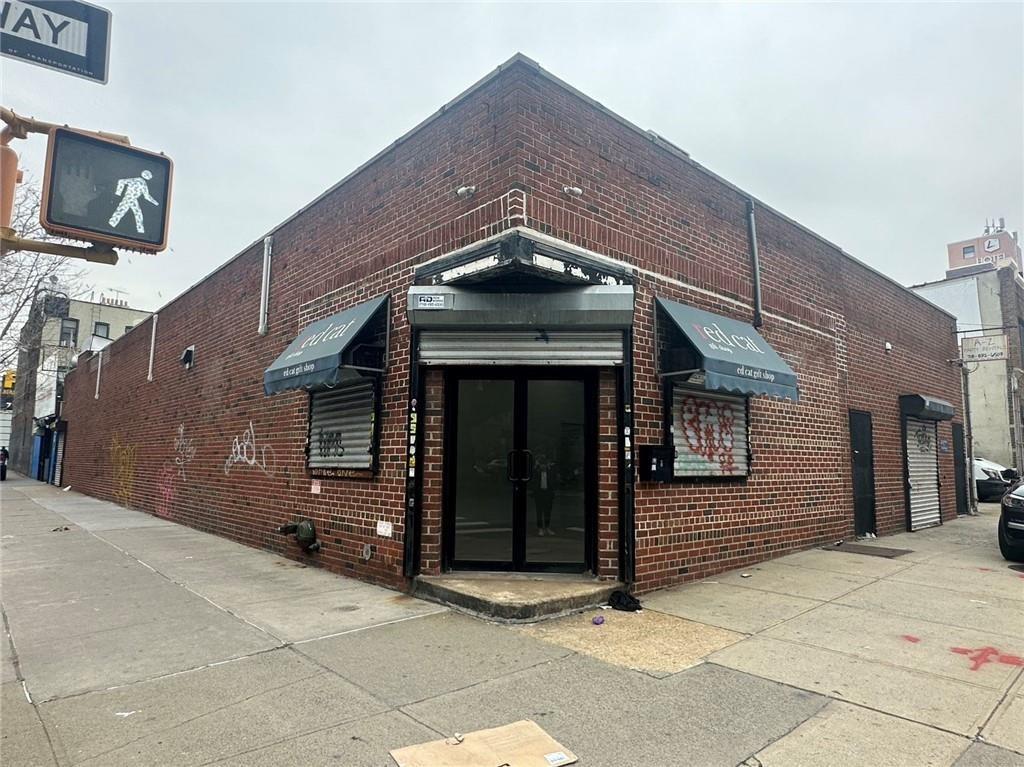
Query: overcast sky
[(888, 129)]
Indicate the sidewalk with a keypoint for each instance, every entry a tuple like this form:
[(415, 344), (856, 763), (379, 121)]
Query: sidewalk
[(138, 641)]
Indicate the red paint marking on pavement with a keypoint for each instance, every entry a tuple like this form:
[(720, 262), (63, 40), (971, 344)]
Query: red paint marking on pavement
[(985, 569), (911, 638), (983, 655)]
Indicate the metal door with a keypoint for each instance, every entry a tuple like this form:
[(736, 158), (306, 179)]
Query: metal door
[(520, 470), (922, 473), (960, 469), (862, 458)]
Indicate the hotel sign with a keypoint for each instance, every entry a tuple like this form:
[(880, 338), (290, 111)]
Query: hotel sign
[(984, 348)]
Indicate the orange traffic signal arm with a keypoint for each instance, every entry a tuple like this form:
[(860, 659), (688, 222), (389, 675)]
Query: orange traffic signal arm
[(19, 127)]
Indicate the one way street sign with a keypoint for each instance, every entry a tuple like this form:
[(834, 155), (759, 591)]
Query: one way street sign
[(69, 36)]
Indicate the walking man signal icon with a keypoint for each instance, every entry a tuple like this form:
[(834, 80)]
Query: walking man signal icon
[(130, 190)]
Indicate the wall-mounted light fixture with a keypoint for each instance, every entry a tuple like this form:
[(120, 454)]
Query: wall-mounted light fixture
[(573, 191), (188, 357), (888, 347), (465, 191)]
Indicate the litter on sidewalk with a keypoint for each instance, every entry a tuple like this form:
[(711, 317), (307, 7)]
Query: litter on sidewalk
[(520, 744)]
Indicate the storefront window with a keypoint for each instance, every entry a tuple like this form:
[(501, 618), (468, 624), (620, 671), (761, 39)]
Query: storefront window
[(342, 430), (710, 434)]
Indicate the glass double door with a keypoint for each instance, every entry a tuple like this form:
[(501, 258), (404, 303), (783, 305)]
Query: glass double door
[(520, 470)]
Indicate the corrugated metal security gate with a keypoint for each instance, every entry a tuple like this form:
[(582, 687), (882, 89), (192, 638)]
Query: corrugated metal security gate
[(709, 433), (922, 473), (341, 425), (58, 461), (520, 347)]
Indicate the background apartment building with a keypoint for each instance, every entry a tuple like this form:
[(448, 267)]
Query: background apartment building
[(984, 289), (57, 330)]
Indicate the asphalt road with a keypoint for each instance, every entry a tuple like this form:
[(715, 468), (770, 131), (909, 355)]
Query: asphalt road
[(132, 640)]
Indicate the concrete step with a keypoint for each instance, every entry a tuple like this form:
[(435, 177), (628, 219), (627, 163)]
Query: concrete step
[(515, 598)]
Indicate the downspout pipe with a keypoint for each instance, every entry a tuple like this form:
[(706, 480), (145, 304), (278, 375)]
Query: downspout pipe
[(268, 248), (755, 262), (152, 346)]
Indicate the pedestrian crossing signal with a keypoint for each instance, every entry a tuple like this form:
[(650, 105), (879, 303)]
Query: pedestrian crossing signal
[(105, 192)]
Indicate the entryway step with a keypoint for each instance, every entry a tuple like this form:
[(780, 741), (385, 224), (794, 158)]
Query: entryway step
[(515, 598)]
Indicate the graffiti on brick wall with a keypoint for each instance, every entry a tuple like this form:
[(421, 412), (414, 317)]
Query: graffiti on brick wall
[(122, 462), (708, 428), (165, 491), (246, 451), (184, 451)]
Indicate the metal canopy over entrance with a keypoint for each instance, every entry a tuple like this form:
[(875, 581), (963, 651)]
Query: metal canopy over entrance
[(522, 257), (721, 354), (329, 351)]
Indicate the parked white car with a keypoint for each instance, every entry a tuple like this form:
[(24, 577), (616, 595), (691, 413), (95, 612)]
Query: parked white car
[(992, 479)]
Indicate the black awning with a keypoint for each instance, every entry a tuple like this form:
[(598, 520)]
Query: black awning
[(355, 339), (730, 354), (926, 408)]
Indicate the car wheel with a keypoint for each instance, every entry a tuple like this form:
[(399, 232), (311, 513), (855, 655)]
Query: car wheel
[(1011, 551)]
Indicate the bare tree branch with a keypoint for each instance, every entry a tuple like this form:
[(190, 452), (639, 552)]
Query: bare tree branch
[(24, 274)]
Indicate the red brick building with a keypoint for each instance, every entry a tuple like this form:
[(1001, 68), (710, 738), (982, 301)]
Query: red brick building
[(489, 347)]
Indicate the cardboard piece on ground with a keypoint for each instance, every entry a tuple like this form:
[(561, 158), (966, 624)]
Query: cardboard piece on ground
[(520, 744)]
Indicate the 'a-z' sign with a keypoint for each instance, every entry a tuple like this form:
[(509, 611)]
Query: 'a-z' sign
[(69, 36)]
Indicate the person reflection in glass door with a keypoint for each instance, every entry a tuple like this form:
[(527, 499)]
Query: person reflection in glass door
[(544, 493)]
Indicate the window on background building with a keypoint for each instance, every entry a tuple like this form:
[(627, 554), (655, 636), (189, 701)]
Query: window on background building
[(968, 251), (342, 428), (62, 371), (709, 433), (101, 329), (69, 333)]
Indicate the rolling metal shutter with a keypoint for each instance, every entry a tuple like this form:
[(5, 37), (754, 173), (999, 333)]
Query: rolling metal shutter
[(521, 347), (59, 459), (341, 423), (923, 473), (710, 434)]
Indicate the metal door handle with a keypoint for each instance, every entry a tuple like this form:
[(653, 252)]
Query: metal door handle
[(529, 465), (508, 465)]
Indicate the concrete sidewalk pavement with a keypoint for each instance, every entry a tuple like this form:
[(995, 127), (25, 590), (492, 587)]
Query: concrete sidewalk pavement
[(138, 641)]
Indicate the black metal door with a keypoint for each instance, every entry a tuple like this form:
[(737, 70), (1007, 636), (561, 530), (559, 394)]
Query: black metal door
[(863, 459), (960, 469)]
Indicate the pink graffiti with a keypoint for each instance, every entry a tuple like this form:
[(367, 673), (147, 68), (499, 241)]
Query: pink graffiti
[(911, 638), (983, 655), (708, 428), (165, 492)]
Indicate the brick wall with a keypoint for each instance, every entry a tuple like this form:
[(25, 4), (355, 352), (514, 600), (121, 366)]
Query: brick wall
[(827, 315), (519, 138)]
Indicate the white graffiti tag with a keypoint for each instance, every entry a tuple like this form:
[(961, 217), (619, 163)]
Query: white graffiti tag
[(245, 450), (184, 451)]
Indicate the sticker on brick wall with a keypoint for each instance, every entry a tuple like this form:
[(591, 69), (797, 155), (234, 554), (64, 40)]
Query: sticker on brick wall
[(384, 529), (314, 487)]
